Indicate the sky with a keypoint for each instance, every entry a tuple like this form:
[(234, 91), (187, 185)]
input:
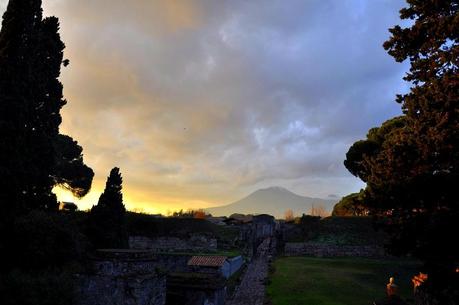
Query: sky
[(202, 102)]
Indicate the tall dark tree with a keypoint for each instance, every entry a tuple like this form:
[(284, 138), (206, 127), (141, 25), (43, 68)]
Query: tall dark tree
[(31, 54), (411, 163), (108, 217)]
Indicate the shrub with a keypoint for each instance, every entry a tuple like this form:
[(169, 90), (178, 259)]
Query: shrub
[(50, 287), (47, 239)]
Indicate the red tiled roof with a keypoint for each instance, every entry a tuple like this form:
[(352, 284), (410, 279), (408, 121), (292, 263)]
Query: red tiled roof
[(207, 261)]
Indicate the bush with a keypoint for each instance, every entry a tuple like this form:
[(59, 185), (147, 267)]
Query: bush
[(43, 251), (43, 240), (308, 224), (51, 287)]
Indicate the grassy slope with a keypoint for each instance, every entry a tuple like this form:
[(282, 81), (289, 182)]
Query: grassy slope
[(343, 281)]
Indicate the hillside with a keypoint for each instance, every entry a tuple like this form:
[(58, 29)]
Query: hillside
[(274, 201)]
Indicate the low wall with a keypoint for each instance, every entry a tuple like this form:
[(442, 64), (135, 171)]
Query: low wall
[(145, 263), (171, 244), (323, 250)]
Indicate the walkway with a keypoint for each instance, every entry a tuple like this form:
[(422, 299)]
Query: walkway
[(252, 288)]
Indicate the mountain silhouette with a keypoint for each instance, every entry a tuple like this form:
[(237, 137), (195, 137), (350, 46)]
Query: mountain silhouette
[(274, 201)]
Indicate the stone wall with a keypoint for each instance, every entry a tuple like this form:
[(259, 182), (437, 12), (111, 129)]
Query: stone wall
[(198, 297), (324, 250), (174, 263), (122, 278), (138, 277), (196, 289), (195, 243), (148, 289)]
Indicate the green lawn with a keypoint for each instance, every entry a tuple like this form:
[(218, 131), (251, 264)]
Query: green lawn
[(336, 281)]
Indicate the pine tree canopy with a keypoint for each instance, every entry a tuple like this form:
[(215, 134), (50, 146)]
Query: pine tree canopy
[(70, 172)]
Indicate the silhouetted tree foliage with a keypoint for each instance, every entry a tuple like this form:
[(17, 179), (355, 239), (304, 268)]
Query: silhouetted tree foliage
[(31, 162), (70, 172), (47, 239), (37, 245), (49, 287), (199, 214), (351, 205), (45, 252), (411, 163), (183, 213), (108, 218)]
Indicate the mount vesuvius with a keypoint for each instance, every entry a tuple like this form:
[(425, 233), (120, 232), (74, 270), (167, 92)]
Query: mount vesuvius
[(274, 201)]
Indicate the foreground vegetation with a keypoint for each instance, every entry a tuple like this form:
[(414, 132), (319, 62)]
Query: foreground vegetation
[(336, 281)]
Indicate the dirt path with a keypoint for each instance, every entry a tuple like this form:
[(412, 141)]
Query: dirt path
[(252, 288)]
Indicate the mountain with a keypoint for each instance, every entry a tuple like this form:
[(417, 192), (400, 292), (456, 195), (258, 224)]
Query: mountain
[(274, 201)]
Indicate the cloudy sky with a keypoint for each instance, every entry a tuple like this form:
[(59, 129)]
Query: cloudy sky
[(202, 102)]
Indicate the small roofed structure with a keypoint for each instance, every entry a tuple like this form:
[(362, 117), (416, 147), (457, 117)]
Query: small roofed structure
[(220, 265), (210, 264), (207, 261)]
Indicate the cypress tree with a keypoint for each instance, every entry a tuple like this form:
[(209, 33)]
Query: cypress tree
[(108, 217), (20, 138), (31, 54)]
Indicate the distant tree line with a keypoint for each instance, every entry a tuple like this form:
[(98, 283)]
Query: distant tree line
[(198, 214), (316, 210)]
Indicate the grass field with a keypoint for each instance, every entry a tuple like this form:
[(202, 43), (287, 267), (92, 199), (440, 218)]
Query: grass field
[(336, 281)]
